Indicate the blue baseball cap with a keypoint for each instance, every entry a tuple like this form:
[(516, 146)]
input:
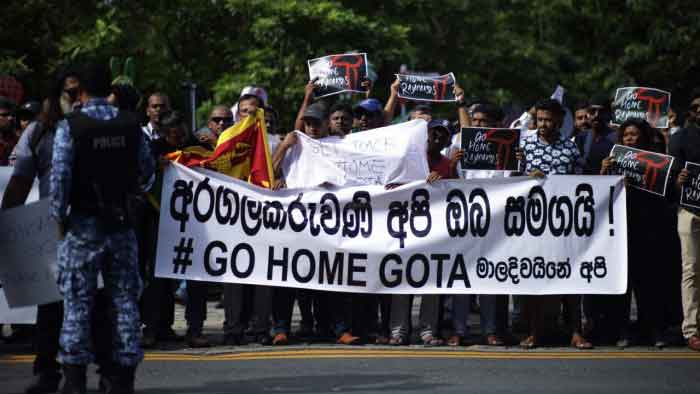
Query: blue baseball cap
[(440, 123), (371, 105)]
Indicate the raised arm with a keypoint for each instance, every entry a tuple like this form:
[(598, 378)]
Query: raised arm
[(390, 107), (308, 98)]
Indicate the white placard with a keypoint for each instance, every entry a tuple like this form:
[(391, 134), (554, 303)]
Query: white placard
[(28, 254), (393, 154)]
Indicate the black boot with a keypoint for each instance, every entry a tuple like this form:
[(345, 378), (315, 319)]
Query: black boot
[(46, 382), (122, 380), (75, 379)]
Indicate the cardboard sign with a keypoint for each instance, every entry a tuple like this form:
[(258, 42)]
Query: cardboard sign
[(427, 88), (690, 194), (28, 254), (338, 73), (25, 315), (642, 103), (643, 169), (489, 148)]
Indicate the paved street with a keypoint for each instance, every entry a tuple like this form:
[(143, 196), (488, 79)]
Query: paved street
[(319, 370), (303, 368)]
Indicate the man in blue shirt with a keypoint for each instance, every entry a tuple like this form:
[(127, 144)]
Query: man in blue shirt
[(100, 156)]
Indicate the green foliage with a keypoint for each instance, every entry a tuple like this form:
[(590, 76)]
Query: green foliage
[(507, 50)]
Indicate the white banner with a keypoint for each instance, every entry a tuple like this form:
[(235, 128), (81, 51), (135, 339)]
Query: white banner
[(393, 154), (28, 255), (561, 235)]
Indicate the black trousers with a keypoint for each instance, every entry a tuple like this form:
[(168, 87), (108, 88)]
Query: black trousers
[(48, 330), (158, 299), (247, 307), (196, 309)]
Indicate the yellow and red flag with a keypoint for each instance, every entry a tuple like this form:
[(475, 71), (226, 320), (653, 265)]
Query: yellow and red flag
[(242, 151)]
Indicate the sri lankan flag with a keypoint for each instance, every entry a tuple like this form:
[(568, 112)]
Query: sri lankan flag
[(242, 152)]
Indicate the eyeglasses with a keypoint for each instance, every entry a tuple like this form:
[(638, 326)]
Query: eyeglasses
[(217, 119), (7, 115)]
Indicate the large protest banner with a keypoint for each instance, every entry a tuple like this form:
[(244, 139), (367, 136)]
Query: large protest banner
[(393, 154), (690, 195), (335, 74), (489, 148), (559, 235), (647, 104), (643, 169), (427, 88), (28, 254)]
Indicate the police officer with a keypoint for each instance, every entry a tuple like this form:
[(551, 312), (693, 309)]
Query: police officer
[(100, 157)]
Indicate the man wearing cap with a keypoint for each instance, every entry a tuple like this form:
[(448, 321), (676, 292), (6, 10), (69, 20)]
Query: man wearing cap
[(27, 113), (368, 114), (8, 137), (439, 132), (316, 123), (251, 98)]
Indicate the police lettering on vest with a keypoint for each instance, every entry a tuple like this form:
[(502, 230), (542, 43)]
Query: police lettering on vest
[(105, 169)]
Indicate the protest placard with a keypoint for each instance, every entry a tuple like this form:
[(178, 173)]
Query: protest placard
[(559, 235), (690, 194), (335, 74), (6, 174), (25, 315), (28, 254), (489, 148), (427, 88), (641, 103), (643, 169), (393, 154)]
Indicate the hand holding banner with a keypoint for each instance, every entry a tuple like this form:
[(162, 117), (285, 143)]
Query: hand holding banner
[(489, 148), (647, 104), (427, 88), (643, 169), (338, 73)]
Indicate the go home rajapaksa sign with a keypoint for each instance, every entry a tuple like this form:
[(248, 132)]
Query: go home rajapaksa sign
[(643, 169), (335, 74), (489, 148), (642, 103), (427, 88)]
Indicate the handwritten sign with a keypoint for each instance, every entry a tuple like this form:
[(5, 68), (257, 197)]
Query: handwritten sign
[(427, 88), (28, 254), (338, 73), (690, 195), (643, 169), (392, 154), (489, 148), (642, 103)]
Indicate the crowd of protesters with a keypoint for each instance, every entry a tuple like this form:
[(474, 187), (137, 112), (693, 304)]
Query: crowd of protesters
[(663, 238)]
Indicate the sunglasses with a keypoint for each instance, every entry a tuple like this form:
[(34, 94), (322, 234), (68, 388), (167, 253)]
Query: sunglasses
[(217, 119)]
